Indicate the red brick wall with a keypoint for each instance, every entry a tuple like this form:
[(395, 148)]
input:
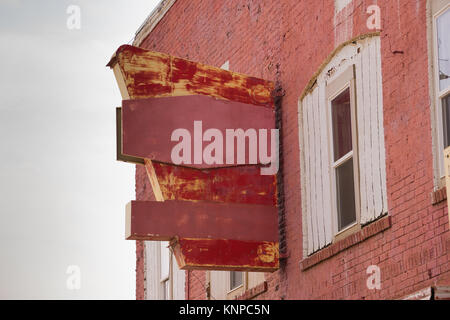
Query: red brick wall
[(196, 290), (287, 41), (143, 192)]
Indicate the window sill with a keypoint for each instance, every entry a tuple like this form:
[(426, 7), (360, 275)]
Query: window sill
[(253, 292), (439, 195), (239, 287), (366, 232), (235, 292)]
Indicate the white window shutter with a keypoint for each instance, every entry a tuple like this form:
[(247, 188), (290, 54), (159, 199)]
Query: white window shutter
[(317, 193), (317, 200), (372, 164)]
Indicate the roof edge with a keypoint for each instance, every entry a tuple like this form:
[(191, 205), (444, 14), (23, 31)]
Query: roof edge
[(152, 20)]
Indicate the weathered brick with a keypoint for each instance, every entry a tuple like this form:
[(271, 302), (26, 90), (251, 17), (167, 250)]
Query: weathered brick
[(287, 41)]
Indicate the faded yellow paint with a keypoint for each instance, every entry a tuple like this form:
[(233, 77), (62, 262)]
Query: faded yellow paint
[(148, 74), (268, 252), (168, 181), (144, 74)]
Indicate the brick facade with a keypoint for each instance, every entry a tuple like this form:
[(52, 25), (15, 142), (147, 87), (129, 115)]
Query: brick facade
[(286, 42)]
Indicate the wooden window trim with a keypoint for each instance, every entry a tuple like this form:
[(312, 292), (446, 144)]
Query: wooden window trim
[(343, 81), (438, 94), (344, 233), (239, 290), (169, 277)]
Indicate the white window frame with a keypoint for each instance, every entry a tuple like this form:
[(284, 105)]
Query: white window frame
[(231, 288), (168, 278), (439, 94), (240, 289), (344, 81), (218, 283)]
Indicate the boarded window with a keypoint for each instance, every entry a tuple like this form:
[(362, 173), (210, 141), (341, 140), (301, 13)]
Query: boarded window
[(327, 147)]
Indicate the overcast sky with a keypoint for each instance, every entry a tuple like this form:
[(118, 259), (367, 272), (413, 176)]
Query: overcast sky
[(62, 194)]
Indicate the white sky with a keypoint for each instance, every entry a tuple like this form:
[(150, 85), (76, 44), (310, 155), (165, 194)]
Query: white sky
[(62, 194)]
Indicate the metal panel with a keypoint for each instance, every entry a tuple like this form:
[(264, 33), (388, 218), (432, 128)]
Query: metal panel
[(119, 155), (147, 74), (148, 124), (143, 74), (154, 220), (243, 184), (226, 255)]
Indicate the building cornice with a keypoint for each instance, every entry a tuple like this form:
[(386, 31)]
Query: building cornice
[(152, 20)]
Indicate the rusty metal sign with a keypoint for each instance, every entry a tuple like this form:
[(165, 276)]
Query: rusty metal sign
[(217, 215)]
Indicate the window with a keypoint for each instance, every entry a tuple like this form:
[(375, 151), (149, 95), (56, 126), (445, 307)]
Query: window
[(236, 279), (443, 49), (441, 25), (164, 269), (345, 169), (343, 166), (227, 285), (163, 279)]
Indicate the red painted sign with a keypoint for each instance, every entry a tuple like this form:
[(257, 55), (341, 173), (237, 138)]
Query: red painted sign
[(197, 131), (219, 214), (206, 254), (153, 220)]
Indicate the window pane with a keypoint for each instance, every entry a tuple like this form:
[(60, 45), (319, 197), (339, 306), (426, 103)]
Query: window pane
[(443, 40), (446, 119), (345, 194), (235, 279), (342, 125), (165, 254)]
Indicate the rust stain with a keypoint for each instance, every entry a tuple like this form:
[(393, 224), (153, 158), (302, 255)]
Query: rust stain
[(268, 252), (152, 74), (228, 255), (149, 74), (237, 184)]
